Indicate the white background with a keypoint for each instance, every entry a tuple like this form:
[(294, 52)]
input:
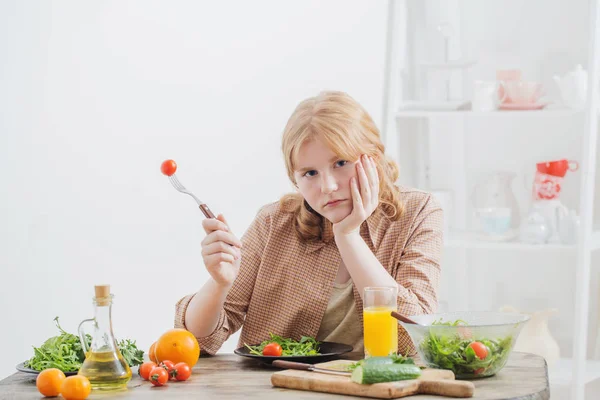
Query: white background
[(95, 95)]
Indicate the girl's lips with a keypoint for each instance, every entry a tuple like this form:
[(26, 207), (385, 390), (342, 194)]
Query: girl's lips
[(333, 203)]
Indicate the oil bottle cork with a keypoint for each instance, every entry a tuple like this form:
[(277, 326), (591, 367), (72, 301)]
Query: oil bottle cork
[(102, 294)]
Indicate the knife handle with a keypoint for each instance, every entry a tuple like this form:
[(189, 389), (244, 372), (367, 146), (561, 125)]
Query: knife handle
[(292, 365)]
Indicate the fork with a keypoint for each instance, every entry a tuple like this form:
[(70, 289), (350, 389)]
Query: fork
[(203, 207)]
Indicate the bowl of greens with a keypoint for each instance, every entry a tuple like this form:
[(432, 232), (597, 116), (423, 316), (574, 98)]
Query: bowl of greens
[(472, 344), (306, 350)]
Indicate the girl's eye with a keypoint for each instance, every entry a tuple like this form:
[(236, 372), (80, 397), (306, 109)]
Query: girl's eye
[(310, 173), (341, 163)]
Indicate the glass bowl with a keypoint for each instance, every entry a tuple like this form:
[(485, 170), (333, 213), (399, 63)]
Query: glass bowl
[(472, 344)]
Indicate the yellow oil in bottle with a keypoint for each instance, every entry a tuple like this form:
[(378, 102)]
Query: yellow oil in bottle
[(106, 370), (104, 364)]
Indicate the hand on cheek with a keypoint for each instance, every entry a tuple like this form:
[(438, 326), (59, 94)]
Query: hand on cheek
[(364, 188)]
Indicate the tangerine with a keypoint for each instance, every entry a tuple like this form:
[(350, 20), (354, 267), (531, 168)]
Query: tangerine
[(49, 381), (178, 345), (76, 387), (152, 353)]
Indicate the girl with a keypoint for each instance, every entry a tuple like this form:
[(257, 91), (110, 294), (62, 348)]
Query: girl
[(301, 267)]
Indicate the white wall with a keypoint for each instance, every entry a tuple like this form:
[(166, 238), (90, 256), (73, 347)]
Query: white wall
[(95, 95)]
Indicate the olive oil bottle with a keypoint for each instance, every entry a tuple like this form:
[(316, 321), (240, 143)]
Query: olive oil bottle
[(104, 364)]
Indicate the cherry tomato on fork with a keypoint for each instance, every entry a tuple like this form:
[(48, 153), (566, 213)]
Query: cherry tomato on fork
[(272, 349), (168, 167)]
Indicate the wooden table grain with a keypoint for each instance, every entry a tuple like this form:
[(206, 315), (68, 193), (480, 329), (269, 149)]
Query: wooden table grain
[(228, 376)]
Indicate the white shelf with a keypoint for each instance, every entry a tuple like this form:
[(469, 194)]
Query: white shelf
[(454, 64), (465, 242), (596, 240), (561, 374), (470, 242), (555, 112)]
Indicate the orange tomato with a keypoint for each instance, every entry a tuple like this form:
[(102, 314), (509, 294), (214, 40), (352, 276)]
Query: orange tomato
[(76, 387), (168, 365), (49, 381), (178, 345), (159, 376), (152, 353), (182, 372), (145, 368)]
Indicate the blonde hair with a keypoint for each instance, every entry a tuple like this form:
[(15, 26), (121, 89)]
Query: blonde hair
[(349, 131)]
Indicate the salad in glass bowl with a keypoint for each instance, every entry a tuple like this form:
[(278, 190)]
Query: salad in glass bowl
[(472, 344)]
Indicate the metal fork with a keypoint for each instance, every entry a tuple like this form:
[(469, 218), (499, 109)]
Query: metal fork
[(203, 207)]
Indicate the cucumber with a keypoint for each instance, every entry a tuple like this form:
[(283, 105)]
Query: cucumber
[(378, 360), (377, 373), (388, 360)]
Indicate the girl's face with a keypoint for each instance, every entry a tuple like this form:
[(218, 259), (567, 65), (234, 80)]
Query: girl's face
[(323, 180)]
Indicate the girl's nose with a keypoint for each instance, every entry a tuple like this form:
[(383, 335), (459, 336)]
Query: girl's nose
[(329, 184)]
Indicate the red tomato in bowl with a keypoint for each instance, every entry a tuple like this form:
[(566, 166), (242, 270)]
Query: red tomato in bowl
[(272, 349), (480, 350), (168, 167)]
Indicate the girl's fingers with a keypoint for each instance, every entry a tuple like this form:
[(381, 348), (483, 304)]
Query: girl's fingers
[(221, 236), (220, 247), (216, 259), (372, 172), (221, 218), (374, 175), (365, 186), (357, 201), (212, 224)]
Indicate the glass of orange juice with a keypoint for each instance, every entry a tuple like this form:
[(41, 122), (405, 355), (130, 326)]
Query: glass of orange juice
[(380, 328)]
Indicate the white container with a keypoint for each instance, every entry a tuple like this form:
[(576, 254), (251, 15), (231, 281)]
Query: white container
[(485, 95)]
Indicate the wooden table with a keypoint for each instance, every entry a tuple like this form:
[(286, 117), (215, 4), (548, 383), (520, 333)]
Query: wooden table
[(229, 376)]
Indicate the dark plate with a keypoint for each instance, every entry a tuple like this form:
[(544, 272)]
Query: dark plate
[(21, 367), (328, 350)]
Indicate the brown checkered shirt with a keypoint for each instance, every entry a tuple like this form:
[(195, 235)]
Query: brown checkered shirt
[(284, 284)]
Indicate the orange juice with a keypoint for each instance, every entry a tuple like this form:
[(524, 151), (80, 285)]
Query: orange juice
[(380, 331)]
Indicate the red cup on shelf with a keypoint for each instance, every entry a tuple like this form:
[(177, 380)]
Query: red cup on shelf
[(549, 177), (557, 168)]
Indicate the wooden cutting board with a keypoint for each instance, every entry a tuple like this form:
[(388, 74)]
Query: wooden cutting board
[(432, 381)]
